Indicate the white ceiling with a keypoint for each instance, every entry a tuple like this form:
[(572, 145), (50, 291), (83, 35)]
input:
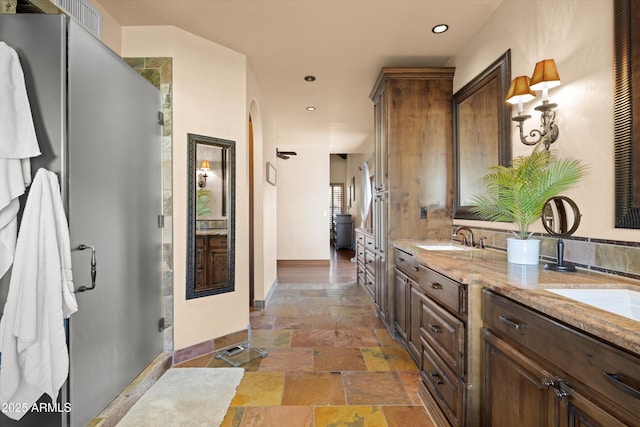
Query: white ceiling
[(344, 43)]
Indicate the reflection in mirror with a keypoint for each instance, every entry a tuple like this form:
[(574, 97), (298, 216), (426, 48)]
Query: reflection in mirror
[(481, 132), (211, 221), (561, 218)]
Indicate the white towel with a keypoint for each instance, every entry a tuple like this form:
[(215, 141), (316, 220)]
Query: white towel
[(18, 144), (35, 358)]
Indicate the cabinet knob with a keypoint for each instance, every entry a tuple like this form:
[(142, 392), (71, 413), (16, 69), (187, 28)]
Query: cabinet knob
[(435, 328), (436, 378), (436, 285)]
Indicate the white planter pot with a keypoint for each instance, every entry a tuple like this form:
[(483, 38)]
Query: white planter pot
[(523, 251)]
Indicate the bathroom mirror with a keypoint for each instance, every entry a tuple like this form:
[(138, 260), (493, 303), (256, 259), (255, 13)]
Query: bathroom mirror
[(481, 132), (561, 218), (626, 117), (211, 216)]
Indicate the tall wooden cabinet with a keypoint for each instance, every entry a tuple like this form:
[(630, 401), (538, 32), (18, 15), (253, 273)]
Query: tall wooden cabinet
[(413, 165)]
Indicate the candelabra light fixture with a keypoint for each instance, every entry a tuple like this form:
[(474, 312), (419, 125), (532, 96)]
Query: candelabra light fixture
[(545, 76), (202, 173)]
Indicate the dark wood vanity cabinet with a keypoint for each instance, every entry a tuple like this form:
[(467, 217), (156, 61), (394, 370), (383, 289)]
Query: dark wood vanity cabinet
[(211, 263), (538, 371), (434, 320)]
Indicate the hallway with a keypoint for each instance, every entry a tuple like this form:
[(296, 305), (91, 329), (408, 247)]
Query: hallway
[(331, 362)]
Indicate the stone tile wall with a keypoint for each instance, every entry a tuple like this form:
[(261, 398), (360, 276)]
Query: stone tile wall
[(158, 71)]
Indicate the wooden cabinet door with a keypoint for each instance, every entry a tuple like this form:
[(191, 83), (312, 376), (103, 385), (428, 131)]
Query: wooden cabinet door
[(217, 262), (401, 303), (415, 320), (516, 388), (200, 262), (578, 411)]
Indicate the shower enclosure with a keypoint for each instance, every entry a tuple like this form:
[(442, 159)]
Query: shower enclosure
[(98, 128)]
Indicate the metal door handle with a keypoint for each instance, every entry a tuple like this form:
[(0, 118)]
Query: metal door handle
[(618, 381), (93, 268), (515, 325)]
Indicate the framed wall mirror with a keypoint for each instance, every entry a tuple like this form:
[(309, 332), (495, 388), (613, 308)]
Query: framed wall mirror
[(211, 216), (481, 132), (626, 117)]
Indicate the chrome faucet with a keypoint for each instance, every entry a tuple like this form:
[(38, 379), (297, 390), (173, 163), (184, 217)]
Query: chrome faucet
[(467, 242)]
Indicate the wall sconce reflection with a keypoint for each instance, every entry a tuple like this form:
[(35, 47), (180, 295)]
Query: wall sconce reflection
[(202, 173), (545, 76)]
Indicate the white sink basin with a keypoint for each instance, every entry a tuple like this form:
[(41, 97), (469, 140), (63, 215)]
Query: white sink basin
[(623, 302), (443, 247)]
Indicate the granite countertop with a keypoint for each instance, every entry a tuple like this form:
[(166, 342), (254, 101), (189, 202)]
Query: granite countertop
[(212, 232), (527, 284)]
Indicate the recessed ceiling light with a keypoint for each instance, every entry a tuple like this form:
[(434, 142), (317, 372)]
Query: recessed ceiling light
[(311, 108), (439, 29), (310, 78)]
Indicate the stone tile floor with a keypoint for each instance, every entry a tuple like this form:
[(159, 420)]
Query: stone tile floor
[(331, 362)]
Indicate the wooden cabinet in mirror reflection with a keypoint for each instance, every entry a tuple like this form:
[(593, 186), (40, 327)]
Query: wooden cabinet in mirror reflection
[(211, 262)]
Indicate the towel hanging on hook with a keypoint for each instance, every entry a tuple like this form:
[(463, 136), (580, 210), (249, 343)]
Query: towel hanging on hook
[(18, 144)]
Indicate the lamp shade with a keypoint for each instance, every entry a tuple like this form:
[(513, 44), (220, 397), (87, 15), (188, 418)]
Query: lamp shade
[(204, 165), (545, 75), (519, 91)]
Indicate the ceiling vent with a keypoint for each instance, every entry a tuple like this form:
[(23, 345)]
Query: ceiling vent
[(84, 14)]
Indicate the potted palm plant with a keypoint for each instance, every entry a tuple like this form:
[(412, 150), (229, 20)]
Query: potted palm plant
[(518, 193)]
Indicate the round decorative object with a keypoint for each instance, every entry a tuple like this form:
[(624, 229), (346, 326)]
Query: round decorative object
[(561, 218)]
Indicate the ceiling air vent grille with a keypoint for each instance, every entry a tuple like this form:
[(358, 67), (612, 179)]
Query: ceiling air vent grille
[(84, 14)]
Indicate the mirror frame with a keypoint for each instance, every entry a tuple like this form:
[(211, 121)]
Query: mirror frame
[(229, 200), (626, 118), (500, 70), (576, 214)]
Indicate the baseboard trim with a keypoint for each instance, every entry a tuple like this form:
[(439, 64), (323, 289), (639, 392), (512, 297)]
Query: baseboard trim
[(303, 262), (259, 304)]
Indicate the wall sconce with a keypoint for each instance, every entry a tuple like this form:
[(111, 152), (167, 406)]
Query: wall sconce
[(202, 177), (545, 76)]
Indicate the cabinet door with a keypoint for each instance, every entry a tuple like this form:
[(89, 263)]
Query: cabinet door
[(415, 320), (380, 141), (578, 411), (517, 391), (401, 303), (216, 269)]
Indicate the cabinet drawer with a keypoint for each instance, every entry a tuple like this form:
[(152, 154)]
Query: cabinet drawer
[(407, 263), (370, 259), (360, 252), (445, 387), (359, 238), (369, 242), (612, 373), (445, 290), (369, 283), (445, 333)]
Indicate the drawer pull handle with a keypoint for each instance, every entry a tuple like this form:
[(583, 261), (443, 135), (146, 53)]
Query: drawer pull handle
[(436, 377), (401, 259), (435, 328), (415, 268), (515, 325), (617, 381), (436, 285)]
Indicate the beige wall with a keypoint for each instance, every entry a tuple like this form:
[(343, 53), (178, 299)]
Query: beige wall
[(303, 217), (265, 202), (209, 98), (578, 34)]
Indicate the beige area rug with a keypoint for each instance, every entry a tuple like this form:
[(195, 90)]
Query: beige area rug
[(186, 397)]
